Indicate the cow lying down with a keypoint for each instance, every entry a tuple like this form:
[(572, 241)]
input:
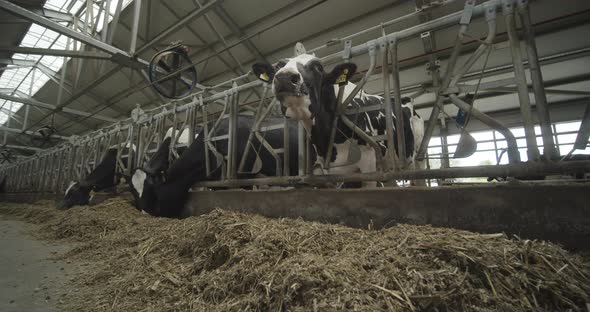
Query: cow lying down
[(162, 192), (105, 178), (102, 178)]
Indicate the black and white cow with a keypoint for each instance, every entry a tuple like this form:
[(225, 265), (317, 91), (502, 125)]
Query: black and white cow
[(309, 94), (165, 195), (104, 176), (3, 184), (101, 178)]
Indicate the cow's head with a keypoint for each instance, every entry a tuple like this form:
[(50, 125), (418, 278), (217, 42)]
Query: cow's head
[(76, 194), (143, 188), (302, 86), (146, 180)]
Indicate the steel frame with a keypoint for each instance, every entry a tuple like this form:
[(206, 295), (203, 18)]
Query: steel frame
[(142, 129)]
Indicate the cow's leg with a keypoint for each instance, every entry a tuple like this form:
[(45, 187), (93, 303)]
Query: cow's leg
[(367, 163), (417, 125)]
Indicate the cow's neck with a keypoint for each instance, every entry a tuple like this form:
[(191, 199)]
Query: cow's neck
[(323, 118)]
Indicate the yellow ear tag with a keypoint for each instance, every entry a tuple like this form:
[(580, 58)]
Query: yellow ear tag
[(264, 76), (342, 77)]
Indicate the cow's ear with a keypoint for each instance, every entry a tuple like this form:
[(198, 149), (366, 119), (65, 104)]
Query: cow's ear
[(263, 71), (341, 74)]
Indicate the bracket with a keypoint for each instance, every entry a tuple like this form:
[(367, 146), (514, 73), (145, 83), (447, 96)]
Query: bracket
[(347, 54), (467, 12)]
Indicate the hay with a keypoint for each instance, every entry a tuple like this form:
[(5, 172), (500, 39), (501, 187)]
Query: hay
[(226, 261)]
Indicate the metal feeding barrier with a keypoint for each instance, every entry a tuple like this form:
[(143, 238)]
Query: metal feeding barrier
[(137, 137)]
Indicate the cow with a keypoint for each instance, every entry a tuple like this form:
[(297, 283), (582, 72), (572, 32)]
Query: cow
[(101, 178), (3, 184), (164, 195), (309, 94), (105, 177)]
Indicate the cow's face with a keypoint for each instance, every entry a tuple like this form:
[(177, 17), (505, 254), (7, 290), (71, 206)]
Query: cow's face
[(298, 83), (143, 189), (76, 194)]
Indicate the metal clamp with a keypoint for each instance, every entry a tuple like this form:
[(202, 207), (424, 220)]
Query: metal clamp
[(490, 10), (347, 53), (507, 7), (523, 5), (467, 12)]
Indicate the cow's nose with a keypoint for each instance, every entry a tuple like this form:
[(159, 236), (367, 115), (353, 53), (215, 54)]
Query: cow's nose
[(291, 77)]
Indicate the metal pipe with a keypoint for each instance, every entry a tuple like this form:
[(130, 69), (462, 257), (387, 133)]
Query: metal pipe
[(483, 47), (232, 143), (439, 96), (64, 70), (135, 25), (338, 112), (513, 154), (521, 83), (105, 21), (255, 127), (286, 146), (397, 105), (114, 22), (188, 18), (537, 80), (510, 170), (301, 151), (205, 136)]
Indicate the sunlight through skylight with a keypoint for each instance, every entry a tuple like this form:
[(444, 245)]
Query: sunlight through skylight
[(16, 79)]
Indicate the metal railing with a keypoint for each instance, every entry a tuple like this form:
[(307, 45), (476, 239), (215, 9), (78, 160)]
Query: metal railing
[(136, 137)]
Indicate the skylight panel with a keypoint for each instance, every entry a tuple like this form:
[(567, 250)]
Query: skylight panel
[(41, 37)]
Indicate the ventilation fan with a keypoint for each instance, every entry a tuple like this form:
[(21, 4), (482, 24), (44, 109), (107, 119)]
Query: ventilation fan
[(7, 156), (172, 73), (43, 136)]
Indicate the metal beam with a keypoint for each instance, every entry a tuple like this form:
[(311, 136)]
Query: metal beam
[(54, 15), (173, 28), (33, 102), (38, 19), (54, 52), (23, 147), (13, 130), (52, 75)]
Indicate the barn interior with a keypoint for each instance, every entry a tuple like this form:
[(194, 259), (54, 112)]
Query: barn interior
[(501, 85)]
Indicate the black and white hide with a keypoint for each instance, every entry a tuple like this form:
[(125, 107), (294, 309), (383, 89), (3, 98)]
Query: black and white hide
[(166, 195), (3, 184), (308, 94), (101, 178)]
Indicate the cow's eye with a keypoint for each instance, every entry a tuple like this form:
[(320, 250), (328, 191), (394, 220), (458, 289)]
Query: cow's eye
[(280, 64)]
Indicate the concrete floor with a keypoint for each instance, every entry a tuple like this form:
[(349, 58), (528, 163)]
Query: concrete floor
[(29, 281)]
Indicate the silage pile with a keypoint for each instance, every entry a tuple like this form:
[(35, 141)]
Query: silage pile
[(227, 261)]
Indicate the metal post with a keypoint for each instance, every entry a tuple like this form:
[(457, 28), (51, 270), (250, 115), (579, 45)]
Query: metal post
[(286, 158), (205, 134), (444, 132), (135, 25), (523, 91), (28, 107), (64, 69), (8, 123), (399, 121), (301, 149), (105, 21), (444, 85), (537, 79), (114, 22), (232, 132)]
